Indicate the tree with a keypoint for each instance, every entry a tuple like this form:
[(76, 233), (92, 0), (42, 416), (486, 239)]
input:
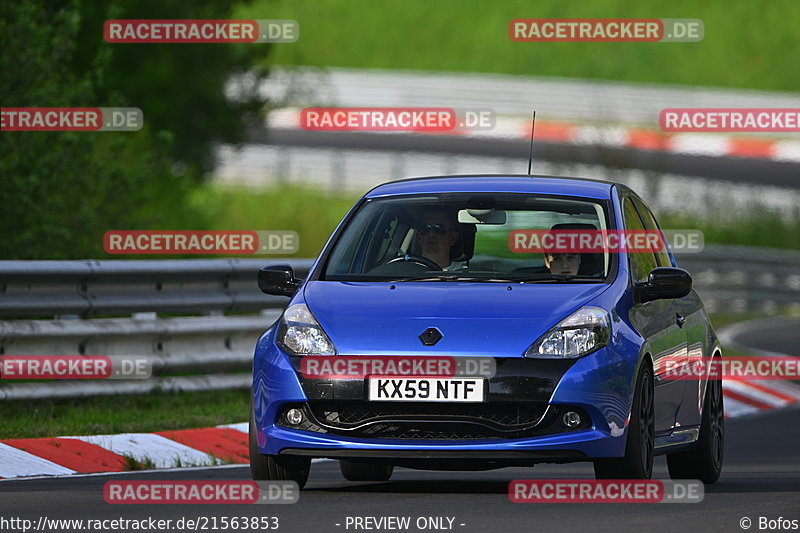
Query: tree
[(60, 191)]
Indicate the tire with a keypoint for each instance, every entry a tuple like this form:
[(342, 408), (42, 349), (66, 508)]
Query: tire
[(705, 461), (637, 463), (275, 467), (354, 471)]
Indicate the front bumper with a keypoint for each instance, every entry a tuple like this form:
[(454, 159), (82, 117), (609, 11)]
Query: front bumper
[(576, 446), (600, 385)]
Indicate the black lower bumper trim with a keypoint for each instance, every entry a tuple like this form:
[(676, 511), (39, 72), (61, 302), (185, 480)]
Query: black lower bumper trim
[(542, 456)]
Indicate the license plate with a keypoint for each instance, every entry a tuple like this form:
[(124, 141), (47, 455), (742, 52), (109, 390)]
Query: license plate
[(426, 389)]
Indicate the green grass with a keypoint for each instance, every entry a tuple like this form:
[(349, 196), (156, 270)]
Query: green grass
[(132, 464), (757, 227), (122, 414), (746, 44), (312, 213)]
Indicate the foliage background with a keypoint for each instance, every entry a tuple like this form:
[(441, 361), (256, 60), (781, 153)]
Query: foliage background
[(61, 191)]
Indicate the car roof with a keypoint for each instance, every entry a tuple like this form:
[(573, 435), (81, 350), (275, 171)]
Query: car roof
[(496, 183)]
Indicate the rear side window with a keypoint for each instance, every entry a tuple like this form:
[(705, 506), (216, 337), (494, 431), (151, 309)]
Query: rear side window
[(643, 262)]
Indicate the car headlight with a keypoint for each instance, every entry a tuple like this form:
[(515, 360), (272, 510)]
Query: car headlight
[(581, 332), (301, 334)]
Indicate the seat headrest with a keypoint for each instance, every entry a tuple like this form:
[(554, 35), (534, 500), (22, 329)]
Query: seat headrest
[(464, 247), (574, 225)]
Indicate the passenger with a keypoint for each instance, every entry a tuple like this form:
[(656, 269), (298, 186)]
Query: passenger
[(562, 264)]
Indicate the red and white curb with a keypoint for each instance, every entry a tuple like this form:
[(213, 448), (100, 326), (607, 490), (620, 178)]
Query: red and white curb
[(227, 444), (110, 453), (743, 397), (746, 397), (708, 144)]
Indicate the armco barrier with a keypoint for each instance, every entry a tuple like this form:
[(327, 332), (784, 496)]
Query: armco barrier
[(119, 287)]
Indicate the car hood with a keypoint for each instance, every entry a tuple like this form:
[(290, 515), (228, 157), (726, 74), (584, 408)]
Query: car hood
[(475, 319)]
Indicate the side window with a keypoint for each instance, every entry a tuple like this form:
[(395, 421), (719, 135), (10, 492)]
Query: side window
[(651, 225), (640, 263), (381, 241), (389, 247)]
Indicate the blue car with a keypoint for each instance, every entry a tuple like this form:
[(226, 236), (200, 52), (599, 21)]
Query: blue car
[(551, 350)]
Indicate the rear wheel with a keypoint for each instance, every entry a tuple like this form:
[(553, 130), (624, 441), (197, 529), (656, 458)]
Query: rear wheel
[(354, 471), (275, 467), (705, 461), (637, 463)]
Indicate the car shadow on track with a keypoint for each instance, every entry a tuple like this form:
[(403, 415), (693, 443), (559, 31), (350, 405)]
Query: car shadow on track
[(421, 486)]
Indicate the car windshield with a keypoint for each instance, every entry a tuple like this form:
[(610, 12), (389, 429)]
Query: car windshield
[(468, 237)]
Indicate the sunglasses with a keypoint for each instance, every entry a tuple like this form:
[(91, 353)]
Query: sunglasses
[(439, 229)]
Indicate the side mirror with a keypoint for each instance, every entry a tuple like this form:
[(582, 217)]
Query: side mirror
[(278, 280), (664, 282)]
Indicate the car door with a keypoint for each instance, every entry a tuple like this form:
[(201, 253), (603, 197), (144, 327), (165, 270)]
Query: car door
[(656, 321), (688, 312)]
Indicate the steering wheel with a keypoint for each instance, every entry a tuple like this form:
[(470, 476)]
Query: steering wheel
[(408, 258)]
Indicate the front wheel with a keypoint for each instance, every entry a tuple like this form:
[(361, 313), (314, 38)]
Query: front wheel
[(705, 461), (275, 467), (637, 463)]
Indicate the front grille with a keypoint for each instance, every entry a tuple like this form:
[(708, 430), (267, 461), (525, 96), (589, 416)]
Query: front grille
[(499, 416), (406, 431), (426, 421)]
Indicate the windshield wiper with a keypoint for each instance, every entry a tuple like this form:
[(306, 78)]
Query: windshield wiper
[(478, 279), (451, 277), (456, 277), (566, 279)]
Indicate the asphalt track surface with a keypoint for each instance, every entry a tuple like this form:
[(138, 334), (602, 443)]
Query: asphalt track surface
[(778, 336), (761, 478)]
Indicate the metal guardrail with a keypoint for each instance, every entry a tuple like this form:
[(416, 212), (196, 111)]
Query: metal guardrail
[(216, 350), (115, 287), (738, 279)]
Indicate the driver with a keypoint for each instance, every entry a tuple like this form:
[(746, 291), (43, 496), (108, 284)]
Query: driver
[(436, 235)]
